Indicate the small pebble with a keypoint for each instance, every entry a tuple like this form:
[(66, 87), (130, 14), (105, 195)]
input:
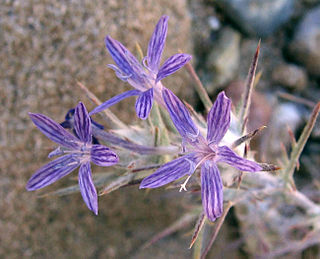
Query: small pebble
[(290, 76)]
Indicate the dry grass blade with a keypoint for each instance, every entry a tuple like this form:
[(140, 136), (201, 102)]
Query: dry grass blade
[(144, 168), (247, 137), (108, 116), (296, 151), (246, 101), (216, 229), (199, 87), (197, 228), (182, 222)]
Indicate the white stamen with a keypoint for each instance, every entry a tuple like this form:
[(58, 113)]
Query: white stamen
[(183, 186)]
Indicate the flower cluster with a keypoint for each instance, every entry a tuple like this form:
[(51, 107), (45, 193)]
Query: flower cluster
[(145, 78), (202, 152), (78, 150)]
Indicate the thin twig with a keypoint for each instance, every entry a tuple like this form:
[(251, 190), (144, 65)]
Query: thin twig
[(197, 248), (180, 223), (296, 99), (140, 149), (110, 118), (197, 228), (246, 101), (216, 229), (144, 168)]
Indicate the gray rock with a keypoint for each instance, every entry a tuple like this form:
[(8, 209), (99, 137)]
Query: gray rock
[(305, 46), (258, 17), (290, 76), (223, 61)]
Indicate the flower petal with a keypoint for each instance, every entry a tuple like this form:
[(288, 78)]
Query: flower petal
[(82, 123), (114, 100), (144, 104), (218, 118), (54, 131), (226, 155), (156, 43), (211, 190), (103, 156), (170, 172), (126, 62), (52, 172), (87, 188), (180, 116), (172, 64)]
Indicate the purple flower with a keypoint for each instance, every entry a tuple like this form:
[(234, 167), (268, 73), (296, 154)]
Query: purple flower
[(204, 152), (145, 78), (78, 151)]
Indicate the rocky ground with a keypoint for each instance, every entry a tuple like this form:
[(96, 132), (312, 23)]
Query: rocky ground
[(45, 47)]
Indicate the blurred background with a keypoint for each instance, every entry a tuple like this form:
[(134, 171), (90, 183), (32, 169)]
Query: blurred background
[(47, 46)]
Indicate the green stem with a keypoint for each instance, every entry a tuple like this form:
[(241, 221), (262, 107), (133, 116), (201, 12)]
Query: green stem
[(297, 150)]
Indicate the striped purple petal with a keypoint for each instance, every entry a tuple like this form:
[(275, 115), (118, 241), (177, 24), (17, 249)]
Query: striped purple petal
[(218, 118), (126, 62), (144, 104), (82, 123), (114, 100), (87, 188), (226, 155), (180, 116), (54, 131), (52, 172), (103, 156), (156, 43), (172, 64), (211, 190), (171, 171)]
